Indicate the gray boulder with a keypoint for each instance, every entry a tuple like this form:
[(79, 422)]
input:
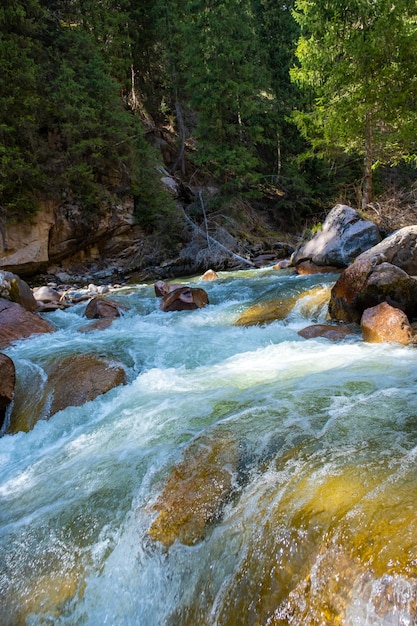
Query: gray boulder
[(13, 288), (343, 237)]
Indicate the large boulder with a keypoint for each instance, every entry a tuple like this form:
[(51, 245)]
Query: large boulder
[(383, 273), (399, 248), (7, 384), (81, 378), (17, 323), (70, 381), (13, 288), (386, 323), (343, 237), (184, 299)]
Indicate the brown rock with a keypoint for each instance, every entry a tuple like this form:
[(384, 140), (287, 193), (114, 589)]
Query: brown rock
[(344, 302), (162, 288), (17, 323), (81, 378), (7, 384), (364, 285), (282, 265), (210, 275), (99, 308), (71, 381), (195, 492), (184, 299), (306, 268), (100, 324), (386, 323), (266, 312), (333, 333)]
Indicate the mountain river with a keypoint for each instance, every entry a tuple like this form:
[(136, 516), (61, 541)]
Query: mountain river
[(242, 476)]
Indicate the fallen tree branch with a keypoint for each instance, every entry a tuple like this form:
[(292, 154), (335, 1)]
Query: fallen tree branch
[(214, 241)]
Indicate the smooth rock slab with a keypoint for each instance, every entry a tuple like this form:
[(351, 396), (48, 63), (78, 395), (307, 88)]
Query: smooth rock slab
[(196, 491)]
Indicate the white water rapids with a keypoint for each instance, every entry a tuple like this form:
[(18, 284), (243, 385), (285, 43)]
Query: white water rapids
[(319, 439)]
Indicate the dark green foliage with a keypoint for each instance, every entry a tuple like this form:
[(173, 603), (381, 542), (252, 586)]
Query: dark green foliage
[(359, 59), (80, 80), (65, 130)]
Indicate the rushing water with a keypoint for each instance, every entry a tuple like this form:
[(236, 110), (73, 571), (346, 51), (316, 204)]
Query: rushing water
[(243, 476)]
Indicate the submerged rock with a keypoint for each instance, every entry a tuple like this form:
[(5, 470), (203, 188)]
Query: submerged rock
[(196, 491), (266, 312), (307, 268), (386, 323)]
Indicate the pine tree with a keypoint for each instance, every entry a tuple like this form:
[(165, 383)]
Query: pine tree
[(359, 60), (225, 83)]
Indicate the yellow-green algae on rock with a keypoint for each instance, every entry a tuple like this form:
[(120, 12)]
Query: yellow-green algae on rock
[(320, 533), (309, 303), (195, 491)]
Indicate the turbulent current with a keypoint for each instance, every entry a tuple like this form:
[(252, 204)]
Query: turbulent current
[(242, 476)]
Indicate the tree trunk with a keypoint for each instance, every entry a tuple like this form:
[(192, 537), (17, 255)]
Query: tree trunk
[(368, 161)]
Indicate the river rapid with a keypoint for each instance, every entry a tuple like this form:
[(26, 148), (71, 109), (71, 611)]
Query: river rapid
[(243, 475)]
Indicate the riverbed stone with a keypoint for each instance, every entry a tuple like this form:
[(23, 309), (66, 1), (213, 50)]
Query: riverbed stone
[(328, 331), (366, 283), (196, 491), (78, 379), (18, 323), (266, 312), (386, 323), (347, 301), (184, 299), (308, 268), (210, 275), (70, 381), (163, 288), (46, 294), (99, 308)]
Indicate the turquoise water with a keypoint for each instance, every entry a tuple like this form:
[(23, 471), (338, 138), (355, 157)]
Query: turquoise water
[(299, 456)]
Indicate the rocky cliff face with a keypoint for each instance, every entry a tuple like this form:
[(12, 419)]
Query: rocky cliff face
[(60, 235), (62, 240)]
